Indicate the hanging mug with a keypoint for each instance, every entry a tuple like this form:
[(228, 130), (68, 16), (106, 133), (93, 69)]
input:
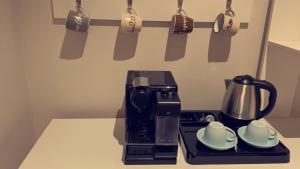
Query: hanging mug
[(77, 20), (182, 23), (227, 22), (131, 22)]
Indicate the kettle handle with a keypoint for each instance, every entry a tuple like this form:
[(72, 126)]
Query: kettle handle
[(262, 84)]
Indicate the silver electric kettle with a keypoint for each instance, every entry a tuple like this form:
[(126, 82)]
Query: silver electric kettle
[(242, 101)]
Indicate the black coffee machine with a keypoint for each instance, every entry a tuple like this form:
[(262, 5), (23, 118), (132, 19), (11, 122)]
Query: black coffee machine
[(152, 118)]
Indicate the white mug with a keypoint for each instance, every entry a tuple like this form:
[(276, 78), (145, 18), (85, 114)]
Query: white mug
[(131, 22), (216, 134), (226, 22), (259, 133)]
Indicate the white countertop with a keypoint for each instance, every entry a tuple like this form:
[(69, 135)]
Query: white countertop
[(97, 143)]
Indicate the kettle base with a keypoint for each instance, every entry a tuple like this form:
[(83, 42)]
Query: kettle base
[(232, 122)]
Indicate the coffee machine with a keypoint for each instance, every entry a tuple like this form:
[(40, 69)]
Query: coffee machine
[(152, 110)]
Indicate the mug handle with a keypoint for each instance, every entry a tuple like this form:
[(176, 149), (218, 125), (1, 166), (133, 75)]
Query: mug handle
[(80, 9), (131, 11), (180, 11), (272, 134), (230, 138), (230, 12), (81, 12)]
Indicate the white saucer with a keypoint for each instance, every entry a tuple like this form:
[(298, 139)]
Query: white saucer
[(227, 146), (269, 144)]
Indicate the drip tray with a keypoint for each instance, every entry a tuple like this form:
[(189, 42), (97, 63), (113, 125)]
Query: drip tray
[(135, 137), (196, 153)]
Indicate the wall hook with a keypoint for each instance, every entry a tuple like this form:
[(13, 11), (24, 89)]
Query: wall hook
[(229, 4), (78, 2), (78, 6), (129, 3), (180, 3)]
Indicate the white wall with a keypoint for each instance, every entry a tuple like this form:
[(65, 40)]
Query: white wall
[(73, 75), (283, 56), (16, 125), (154, 10), (285, 23)]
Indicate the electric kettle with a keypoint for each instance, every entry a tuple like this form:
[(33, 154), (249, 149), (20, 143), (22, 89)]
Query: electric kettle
[(242, 101)]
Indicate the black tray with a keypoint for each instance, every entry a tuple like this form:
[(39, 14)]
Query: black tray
[(196, 153)]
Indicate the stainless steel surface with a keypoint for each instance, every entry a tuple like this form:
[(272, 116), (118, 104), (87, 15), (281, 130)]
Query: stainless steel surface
[(240, 101)]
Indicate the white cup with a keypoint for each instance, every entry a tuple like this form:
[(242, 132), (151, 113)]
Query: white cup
[(259, 133), (226, 22), (216, 134), (131, 22)]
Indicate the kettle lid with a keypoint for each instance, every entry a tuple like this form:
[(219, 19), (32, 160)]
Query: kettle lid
[(244, 80)]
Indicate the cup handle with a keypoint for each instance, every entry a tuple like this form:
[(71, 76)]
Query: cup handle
[(131, 11), (180, 11), (272, 134), (232, 137), (80, 9), (230, 12)]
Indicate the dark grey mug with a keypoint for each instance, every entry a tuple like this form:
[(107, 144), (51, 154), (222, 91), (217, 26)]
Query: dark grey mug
[(77, 20)]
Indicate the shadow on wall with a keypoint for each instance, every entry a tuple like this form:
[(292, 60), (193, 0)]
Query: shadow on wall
[(219, 47), (176, 46), (125, 46), (295, 107), (73, 45)]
